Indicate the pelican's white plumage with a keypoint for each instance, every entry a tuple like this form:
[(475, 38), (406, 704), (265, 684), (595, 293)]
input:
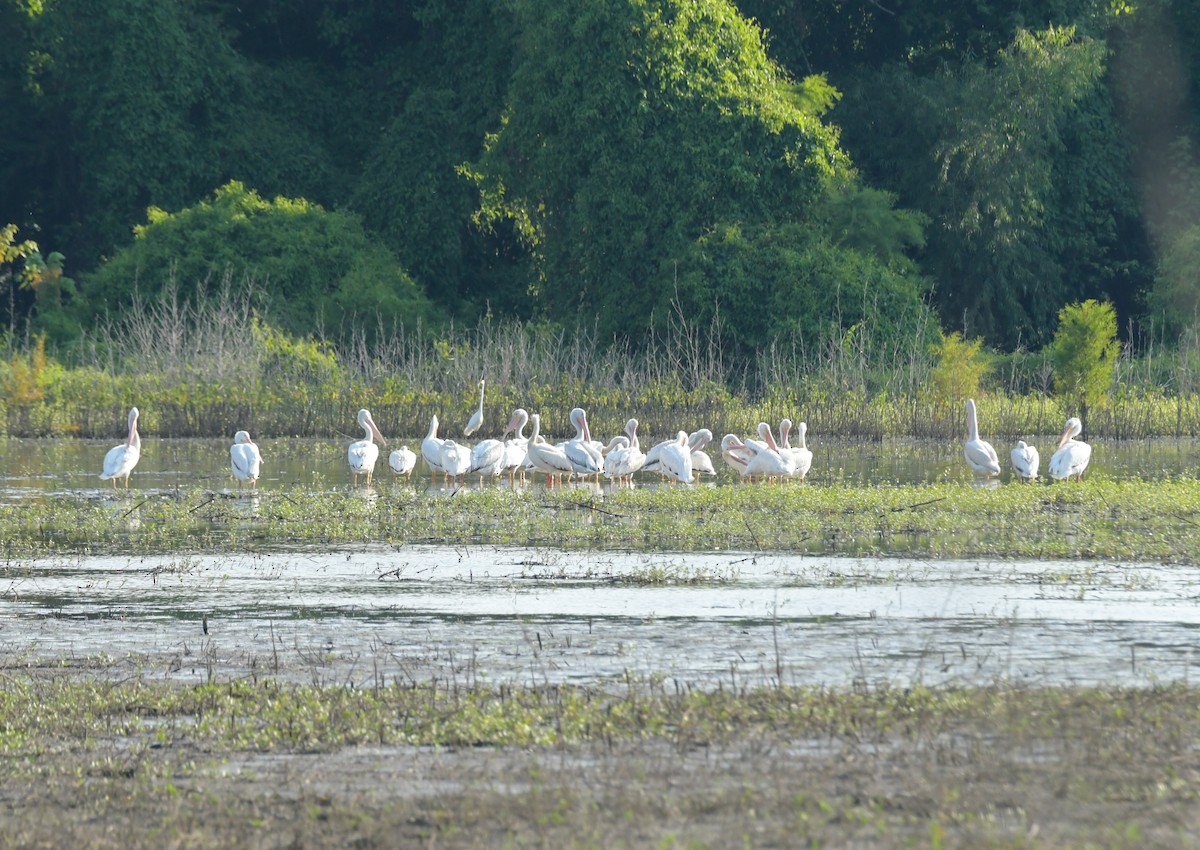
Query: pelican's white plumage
[(621, 464), (1072, 456), (1025, 461), (735, 452), (120, 460), (980, 455), (455, 460), (584, 457), (768, 461), (487, 458), (516, 449), (675, 460), (801, 455), (362, 454), (477, 417), (402, 461), (431, 447), (545, 457), (245, 459)]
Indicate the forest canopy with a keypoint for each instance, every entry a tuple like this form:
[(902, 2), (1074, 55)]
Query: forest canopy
[(789, 168)]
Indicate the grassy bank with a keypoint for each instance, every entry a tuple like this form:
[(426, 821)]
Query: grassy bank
[(1133, 520), (210, 370), (144, 764)]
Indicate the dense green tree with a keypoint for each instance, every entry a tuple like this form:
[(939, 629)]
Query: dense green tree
[(1084, 354), (638, 138), (314, 270)]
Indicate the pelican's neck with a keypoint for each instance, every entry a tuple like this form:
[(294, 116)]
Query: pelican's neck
[(972, 421), (801, 434), (433, 426)]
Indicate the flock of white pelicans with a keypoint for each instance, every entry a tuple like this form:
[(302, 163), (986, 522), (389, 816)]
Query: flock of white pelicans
[(681, 460)]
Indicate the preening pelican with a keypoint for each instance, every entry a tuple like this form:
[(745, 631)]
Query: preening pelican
[(487, 458), (697, 440), (1072, 456), (363, 453), (402, 461), (477, 417), (245, 459), (675, 460), (431, 447), (584, 457), (546, 458), (622, 463), (768, 461), (980, 455), (801, 455), (121, 460), (735, 452), (516, 449), (1025, 461), (455, 460)]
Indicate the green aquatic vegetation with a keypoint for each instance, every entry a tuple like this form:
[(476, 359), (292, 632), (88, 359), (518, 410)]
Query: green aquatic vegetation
[(1129, 520)]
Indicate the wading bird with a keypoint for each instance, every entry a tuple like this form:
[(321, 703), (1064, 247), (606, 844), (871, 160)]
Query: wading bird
[(1025, 461), (980, 455), (245, 459), (402, 461), (363, 453), (477, 418), (121, 460), (1072, 456)]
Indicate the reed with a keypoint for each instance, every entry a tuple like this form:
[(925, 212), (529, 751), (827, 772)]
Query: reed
[(206, 367)]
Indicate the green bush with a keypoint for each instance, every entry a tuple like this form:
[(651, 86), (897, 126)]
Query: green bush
[(319, 270)]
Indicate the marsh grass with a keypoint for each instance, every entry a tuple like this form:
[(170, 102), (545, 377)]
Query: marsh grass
[(1128, 519), (208, 367), (647, 762)]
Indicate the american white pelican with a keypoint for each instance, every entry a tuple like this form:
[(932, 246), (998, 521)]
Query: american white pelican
[(735, 452), (1025, 461), (487, 458), (1072, 456), (675, 460), (516, 449), (431, 447), (768, 461), (402, 461), (477, 417), (363, 453), (697, 440), (621, 464), (455, 460), (980, 455), (120, 460), (584, 457), (245, 458), (801, 455), (546, 458)]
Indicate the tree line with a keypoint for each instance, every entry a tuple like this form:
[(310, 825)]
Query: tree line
[(767, 168)]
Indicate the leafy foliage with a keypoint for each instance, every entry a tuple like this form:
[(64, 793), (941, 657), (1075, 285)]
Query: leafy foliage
[(959, 369), (1084, 353), (322, 268)]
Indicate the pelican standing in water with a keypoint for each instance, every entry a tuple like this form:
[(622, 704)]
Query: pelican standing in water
[(121, 460), (363, 453), (980, 455), (431, 448), (1025, 461), (245, 459), (801, 454), (1072, 456), (402, 461), (477, 416)]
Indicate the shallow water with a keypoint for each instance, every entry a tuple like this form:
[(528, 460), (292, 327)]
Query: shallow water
[(485, 614), (68, 465)]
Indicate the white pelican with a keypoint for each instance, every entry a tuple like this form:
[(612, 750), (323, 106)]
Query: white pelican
[(402, 461), (477, 417), (1072, 456), (584, 457), (455, 460), (516, 450), (801, 455), (697, 440), (487, 458), (431, 447), (121, 460), (735, 452), (1025, 461), (245, 459), (363, 453), (546, 458), (768, 461), (675, 460), (980, 455), (621, 464)]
